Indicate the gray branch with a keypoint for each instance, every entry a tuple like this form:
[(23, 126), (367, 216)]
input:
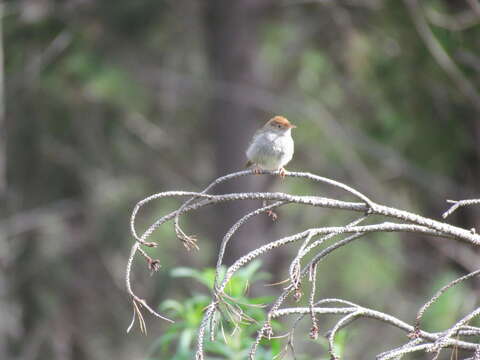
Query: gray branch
[(312, 238)]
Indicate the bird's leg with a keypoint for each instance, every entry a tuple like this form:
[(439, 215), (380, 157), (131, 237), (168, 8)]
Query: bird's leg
[(282, 172)]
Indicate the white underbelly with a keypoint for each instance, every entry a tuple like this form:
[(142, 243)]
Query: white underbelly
[(271, 153)]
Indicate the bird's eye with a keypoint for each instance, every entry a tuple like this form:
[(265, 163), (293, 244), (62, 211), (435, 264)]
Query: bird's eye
[(279, 126)]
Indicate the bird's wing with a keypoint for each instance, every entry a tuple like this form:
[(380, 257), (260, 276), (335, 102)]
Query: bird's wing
[(249, 163), (254, 137)]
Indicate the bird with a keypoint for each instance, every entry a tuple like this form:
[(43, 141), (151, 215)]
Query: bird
[(271, 147)]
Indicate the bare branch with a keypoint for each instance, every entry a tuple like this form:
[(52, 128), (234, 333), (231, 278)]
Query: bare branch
[(341, 323), (441, 56), (458, 22), (438, 294), (457, 204), (377, 315), (229, 309)]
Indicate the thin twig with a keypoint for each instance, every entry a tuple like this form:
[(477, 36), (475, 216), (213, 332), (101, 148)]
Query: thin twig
[(438, 294), (441, 56), (457, 204)]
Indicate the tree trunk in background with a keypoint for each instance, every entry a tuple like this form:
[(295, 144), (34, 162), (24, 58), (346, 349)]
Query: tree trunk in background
[(4, 303), (232, 47), (3, 138)]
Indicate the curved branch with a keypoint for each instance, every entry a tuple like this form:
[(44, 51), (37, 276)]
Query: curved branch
[(448, 230), (188, 239), (409, 222), (438, 294), (377, 315), (441, 56)]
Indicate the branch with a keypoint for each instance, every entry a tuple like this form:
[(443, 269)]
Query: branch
[(457, 204), (440, 293), (311, 239), (441, 56), (360, 311)]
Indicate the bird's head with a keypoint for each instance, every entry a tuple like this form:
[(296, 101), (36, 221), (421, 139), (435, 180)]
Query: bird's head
[(279, 124)]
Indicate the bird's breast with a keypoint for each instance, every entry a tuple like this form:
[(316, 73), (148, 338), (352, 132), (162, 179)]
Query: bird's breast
[(276, 146), (271, 151)]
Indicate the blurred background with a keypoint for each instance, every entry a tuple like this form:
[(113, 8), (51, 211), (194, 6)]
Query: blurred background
[(103, 103)]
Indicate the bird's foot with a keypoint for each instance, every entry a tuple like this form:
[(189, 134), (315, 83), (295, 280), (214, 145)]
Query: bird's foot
[(256, 170), (282, 172), (272, 214)]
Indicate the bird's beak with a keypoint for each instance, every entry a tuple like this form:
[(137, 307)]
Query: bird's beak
[(292, 126)]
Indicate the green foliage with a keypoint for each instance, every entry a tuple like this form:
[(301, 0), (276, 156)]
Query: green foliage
[(340, 343), (232, 342), (104, 81)]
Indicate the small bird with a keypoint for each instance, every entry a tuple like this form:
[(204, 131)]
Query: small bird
[(271, 147)]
